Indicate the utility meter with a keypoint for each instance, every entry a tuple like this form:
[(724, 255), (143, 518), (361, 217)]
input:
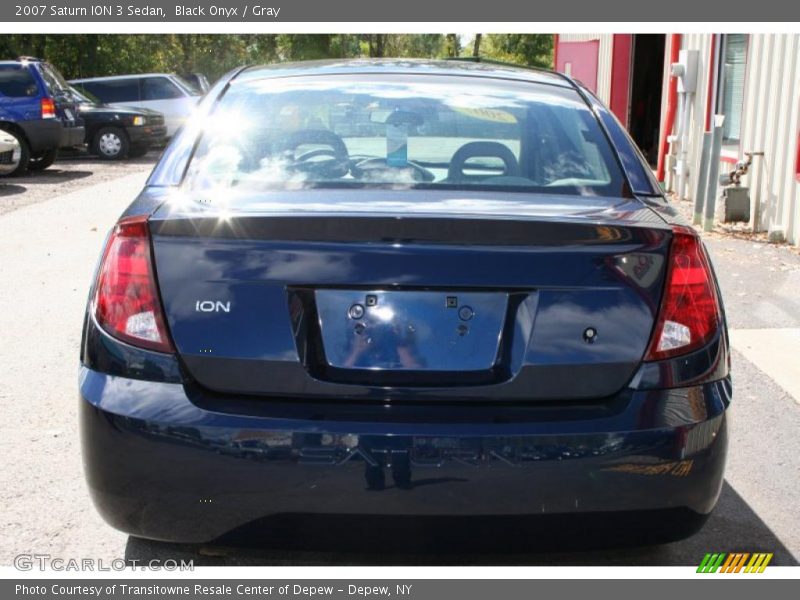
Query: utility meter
[(686, 70)]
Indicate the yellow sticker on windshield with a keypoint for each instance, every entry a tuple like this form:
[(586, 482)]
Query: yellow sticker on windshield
[(487, 114)]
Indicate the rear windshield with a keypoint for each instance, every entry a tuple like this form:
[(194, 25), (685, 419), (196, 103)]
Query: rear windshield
[(17, 82), (404, 131), (84, 96), (55, 82)]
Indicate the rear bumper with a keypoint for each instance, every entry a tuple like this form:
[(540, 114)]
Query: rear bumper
[(159, 466), (50, 134), (43, 134)]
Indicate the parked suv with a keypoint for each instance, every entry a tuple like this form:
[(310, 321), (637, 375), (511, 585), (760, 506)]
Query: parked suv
[(38, 111), (166, 93), (115, 132)]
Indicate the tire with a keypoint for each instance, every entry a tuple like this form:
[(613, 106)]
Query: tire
[(24, 155), (110, 143), (137, 151), (41, 160)]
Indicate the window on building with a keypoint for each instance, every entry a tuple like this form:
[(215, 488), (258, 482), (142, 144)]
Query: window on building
[(730, 94)]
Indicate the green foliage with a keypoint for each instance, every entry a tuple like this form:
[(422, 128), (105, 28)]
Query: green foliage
[(452, 47), (532, 50), (89, 55)]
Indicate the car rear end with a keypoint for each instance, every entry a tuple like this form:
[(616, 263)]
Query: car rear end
[(35, 109), (525, 348), (58, 105)]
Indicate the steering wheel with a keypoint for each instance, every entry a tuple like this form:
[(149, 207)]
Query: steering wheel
[(317, 152), (336, 163), (373, 169)]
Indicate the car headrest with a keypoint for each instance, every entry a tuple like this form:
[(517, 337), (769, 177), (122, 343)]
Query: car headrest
[(482, 149)]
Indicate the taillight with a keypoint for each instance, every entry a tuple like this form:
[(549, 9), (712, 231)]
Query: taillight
[(690, 311), (126, 301), (48, 108)]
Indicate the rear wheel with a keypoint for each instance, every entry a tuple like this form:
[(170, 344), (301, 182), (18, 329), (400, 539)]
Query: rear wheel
[(19, 160), (41, 160), (110, 143)]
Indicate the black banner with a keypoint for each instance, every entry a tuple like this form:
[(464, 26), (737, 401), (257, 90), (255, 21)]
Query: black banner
[(740, 586)]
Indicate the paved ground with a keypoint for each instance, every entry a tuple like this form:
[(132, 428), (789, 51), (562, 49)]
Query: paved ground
[(73, 171), (50, 237)]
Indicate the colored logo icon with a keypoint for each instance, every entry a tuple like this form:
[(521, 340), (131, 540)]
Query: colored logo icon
[(735, 562)]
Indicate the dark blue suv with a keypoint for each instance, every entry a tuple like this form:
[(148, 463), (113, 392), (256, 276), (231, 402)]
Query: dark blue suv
[(37, 109)]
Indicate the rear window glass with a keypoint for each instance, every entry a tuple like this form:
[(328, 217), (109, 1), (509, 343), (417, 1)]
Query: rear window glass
[(17, 82), (83, 96), (55, 82), (114, 90), (404, 131)]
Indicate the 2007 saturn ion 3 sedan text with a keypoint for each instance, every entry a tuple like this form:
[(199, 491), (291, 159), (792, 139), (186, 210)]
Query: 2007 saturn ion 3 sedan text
[(439, 292)]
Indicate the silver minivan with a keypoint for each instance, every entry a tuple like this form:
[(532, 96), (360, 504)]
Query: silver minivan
[(166, 93)]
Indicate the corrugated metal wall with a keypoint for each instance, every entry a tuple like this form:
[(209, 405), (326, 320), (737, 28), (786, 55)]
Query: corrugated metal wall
[(770, 118), (604, 55), (770, 123), (697, 107)]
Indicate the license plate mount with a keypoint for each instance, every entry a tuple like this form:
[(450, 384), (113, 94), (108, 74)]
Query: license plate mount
[(408, 330)]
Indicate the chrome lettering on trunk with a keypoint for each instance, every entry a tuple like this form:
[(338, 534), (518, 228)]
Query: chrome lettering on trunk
[(209, 306)]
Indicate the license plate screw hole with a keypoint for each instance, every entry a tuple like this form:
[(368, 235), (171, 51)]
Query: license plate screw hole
[(465, 313)]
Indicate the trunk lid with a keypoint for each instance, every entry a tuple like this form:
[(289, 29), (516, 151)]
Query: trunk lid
[(366, 296)]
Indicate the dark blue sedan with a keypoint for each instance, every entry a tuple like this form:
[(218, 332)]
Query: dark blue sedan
[(412, 290)]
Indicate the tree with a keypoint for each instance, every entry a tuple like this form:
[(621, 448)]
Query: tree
[(533, 50), (452, 47), (405, 45), (377, 45), (93, 55), (476, 45), (304, 46)]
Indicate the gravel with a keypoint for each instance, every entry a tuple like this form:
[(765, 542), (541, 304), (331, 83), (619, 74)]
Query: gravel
[(72, 171)]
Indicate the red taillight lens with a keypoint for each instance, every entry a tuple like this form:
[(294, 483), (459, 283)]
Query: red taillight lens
[(48, 108), (690, 312), (126, 302)]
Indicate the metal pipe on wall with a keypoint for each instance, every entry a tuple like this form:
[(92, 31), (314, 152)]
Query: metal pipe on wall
[(702, 179), (713, 174), (682, 145), (672, 101)]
